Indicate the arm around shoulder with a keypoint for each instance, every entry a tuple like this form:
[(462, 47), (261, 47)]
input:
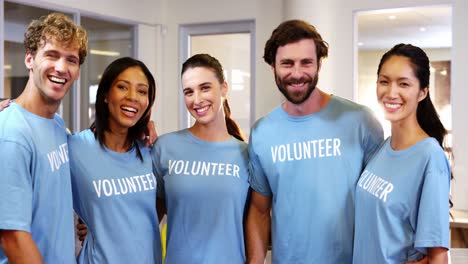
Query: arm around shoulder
[(258, 228), (19, 247)]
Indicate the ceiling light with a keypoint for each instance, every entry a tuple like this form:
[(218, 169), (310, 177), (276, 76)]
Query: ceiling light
[(443, 72), (392, 17), (360, 44), (422, 29), (7, 67), (105, 53)]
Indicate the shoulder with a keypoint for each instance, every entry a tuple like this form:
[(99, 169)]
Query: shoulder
[(85, 137), (171, 137), (343, 104), (274, 116), (432, 149), (59, 121), (14, 127)]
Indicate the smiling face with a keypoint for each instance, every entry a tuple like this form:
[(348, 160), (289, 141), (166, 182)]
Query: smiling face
[(296, 70), (204, 95), (127, 98), (398, 90), (53, 69)]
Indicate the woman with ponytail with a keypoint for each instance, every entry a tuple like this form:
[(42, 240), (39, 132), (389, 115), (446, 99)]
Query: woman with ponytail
[(202, 173), (402, 197)]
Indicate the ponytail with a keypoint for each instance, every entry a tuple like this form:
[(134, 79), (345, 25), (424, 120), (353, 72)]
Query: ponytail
[(426, 113), (232, 126)]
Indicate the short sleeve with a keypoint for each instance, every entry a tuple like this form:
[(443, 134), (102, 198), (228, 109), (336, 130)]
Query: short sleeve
[(373, 136), (432, 228), (258, 180), (15, 186), (157, 170)]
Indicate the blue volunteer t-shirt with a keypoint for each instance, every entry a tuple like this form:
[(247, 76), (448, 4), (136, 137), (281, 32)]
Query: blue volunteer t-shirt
[(309, 165), (115, 195), (402, 204), (35, 189), (205, 186)]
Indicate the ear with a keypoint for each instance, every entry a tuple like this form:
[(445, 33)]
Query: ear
[(29, 60), (105, 99), (423, 94), (224, 89)]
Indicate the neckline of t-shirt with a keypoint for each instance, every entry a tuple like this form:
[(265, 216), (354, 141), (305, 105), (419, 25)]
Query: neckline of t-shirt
[(317, 114), (13, 104), (131, 151), (200, 141), (409, 150)]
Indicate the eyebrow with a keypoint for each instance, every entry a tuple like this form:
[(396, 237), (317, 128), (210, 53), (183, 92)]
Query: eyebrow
[(128, 82)]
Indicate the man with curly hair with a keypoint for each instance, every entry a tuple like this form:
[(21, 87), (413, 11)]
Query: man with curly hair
[(36, 219)]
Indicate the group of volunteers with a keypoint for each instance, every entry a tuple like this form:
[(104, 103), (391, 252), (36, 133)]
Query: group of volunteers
[(317, 180)]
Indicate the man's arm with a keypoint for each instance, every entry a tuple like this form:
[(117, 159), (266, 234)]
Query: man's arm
[(19, 247), (258, 228), (437, 255)]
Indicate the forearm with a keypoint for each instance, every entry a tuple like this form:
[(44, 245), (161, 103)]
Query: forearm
[(257, 235), (19, 247), (437, 256)]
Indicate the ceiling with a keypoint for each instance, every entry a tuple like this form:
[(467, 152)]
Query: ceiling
[(426, 27)]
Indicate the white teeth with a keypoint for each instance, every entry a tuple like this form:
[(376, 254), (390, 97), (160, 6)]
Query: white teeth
[(297, 84), (130, 109), (392, 106), (199, 110), (57, 80)]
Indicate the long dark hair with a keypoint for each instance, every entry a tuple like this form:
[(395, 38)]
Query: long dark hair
[(209, 62), (426, 113), (101, 123)]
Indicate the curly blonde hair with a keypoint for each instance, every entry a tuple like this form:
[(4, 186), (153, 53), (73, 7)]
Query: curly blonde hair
[(59, 27)]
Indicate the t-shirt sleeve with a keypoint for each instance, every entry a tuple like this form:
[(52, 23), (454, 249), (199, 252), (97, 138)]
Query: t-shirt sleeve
[(157, 171), (73, 147), (15, 186), (432, 228), (373, 136), (258, 179)]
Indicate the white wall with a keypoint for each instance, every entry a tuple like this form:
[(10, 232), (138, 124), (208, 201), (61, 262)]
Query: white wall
[(335, 20), (142, 11)]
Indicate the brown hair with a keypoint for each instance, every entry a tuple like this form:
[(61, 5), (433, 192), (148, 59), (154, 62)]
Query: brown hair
[(293, 31), (209, 62), (59, 27)]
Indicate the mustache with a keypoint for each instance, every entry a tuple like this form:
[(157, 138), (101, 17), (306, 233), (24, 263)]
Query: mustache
[(293, 80)]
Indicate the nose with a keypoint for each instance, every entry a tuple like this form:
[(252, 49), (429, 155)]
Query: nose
[(61, 65), (392, 91), (198, 98), (296, 71), (132, 94)]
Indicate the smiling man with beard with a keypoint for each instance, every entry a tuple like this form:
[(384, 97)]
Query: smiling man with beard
[(308, 186)]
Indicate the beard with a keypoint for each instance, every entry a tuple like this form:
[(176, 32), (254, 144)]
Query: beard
[(296, 97)]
